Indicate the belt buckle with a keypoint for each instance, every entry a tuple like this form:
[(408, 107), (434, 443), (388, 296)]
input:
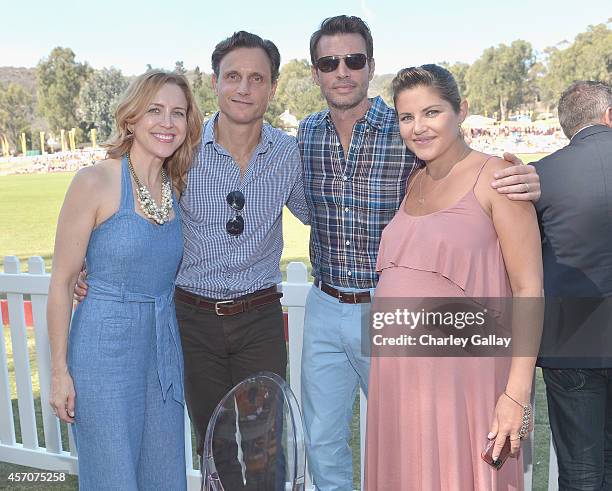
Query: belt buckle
[(352, 294), (219, 304), (345, 297)]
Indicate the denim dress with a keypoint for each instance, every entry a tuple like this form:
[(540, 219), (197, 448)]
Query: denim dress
[(125, 357)]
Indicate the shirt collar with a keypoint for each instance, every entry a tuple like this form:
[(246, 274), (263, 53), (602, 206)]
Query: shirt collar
[(374, 116), (581, 129), (208, 135)]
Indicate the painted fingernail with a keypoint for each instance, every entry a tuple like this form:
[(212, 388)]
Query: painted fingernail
[(490, 435)]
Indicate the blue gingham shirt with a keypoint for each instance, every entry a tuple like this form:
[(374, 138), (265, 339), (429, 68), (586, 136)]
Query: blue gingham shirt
[(216, 264), (352, 197)]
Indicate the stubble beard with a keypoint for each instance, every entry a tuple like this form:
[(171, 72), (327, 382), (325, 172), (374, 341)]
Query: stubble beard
[(344, 104)]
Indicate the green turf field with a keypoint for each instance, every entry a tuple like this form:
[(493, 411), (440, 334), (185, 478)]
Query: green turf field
[(30, 204)]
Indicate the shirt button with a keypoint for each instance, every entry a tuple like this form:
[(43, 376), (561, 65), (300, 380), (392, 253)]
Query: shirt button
[(348, 242), (344, 178), (349, 273), (346, 208)]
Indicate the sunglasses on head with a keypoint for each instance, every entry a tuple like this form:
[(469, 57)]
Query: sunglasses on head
[(235, 225), (354, 61)]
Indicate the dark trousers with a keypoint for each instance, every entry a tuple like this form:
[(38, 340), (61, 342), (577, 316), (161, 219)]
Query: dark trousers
[(580, 413), (221, 351)]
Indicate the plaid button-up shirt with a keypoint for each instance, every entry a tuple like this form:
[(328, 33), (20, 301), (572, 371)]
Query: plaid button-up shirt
[(219, 265), (352, 197)]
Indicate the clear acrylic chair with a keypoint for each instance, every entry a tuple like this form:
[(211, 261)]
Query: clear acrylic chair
[(255, 439)]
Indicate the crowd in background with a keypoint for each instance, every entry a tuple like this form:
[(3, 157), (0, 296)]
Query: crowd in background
[(52, 162), (516, 139), (494, 139)]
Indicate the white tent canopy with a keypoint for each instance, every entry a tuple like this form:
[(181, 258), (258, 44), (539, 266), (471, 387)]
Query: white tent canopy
[(478, 121)]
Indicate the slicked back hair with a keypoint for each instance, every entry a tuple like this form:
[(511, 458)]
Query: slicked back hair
[(433, 76), (243, 39), (342, 24)]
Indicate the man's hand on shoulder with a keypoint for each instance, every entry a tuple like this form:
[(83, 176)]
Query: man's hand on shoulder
[(519, 181)]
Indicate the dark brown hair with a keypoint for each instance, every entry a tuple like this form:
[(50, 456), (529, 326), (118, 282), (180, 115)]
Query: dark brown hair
[(243, 39), (433, 76), (342, 24)]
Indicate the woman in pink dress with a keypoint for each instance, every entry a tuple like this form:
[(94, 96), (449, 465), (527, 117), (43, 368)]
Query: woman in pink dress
[(454, 236)]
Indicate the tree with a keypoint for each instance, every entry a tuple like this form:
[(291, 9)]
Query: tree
[(205, 96), (589, 57), (60, 79), (497, 80), (98, 100), (533, 87), (16, 107), (296, 91), (197, 79), (459, 71), (381, 85), (179, 67)]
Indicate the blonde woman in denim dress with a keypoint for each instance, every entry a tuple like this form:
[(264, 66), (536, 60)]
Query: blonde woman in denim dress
[(117, 371)]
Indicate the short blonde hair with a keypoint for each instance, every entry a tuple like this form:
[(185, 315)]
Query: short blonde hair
[(133, 105)]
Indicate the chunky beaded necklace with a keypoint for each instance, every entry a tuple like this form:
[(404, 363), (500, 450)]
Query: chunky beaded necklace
[(159, 214)]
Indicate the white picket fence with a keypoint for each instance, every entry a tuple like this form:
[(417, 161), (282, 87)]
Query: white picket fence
[(53, 457)]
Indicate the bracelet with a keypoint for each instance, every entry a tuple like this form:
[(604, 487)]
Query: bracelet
[(513, 399), (526, 416)]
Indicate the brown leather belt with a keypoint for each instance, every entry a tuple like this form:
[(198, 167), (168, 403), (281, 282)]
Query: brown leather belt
[(343, 297), (229, 307)]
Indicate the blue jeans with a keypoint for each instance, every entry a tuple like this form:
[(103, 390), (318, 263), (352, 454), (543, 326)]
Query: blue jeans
[(580, 413), (333, 367)]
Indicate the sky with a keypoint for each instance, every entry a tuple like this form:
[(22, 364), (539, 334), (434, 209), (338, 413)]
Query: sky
[(129, 34)]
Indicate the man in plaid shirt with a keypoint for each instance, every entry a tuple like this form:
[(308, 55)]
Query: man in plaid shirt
[(356, 167)]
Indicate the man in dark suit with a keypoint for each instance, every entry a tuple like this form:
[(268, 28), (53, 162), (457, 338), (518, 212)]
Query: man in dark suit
[(575, 214)]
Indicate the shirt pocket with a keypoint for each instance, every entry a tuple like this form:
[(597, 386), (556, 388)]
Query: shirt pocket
[(116, 336)]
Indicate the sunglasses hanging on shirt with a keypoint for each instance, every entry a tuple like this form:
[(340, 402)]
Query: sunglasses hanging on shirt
[(235, 225)]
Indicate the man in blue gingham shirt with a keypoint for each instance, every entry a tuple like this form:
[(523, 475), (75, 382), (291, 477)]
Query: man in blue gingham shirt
[(223, 266), (229, 313)]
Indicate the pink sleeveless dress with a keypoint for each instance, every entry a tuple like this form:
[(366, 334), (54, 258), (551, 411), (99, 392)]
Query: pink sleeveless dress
[(428, 418)]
